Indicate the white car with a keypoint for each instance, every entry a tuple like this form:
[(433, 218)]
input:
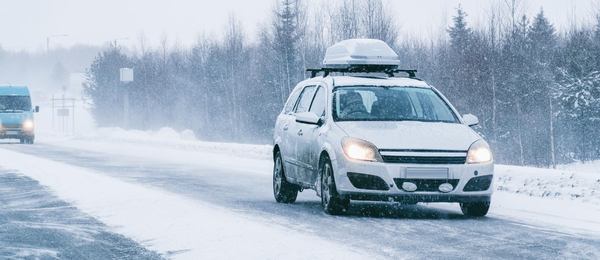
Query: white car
[(378, 139)]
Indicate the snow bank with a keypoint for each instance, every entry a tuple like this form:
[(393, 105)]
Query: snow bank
[(548, 183), (588, 167), (164, 138), (173, 225), (568, 216)]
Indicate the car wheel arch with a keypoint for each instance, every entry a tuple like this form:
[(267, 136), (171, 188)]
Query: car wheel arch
[(328, 150), (275, 151), (324, 155)]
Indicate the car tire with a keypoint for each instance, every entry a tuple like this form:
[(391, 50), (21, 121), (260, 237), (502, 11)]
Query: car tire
[(475, 209), (283, 191), (26, 140), (331, 201)]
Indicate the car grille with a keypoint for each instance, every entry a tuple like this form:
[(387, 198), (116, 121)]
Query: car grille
[(425, 159), (426, 184)]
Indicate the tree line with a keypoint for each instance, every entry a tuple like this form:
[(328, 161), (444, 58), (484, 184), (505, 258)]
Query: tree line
[(535, 90)]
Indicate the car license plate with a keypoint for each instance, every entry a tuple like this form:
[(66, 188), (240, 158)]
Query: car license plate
[(427, 173), (12, 132)]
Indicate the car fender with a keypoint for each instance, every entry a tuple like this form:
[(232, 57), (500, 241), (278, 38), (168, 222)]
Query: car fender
[(276, 141), (328, 148)]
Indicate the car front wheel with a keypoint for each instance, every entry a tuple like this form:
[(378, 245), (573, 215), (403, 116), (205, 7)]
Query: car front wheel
[(475, 209), (330, 200), (26, 140), (284, 191)]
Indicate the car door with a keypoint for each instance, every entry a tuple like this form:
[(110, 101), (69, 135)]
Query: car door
[(308, 144), (293, 133), (286, 145)]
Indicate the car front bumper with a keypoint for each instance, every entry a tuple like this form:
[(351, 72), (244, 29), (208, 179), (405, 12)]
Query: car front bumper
[(394, 174), (14, 133)]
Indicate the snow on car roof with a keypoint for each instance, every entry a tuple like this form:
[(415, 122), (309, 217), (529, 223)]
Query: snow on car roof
[(373, 81), (14, 91)]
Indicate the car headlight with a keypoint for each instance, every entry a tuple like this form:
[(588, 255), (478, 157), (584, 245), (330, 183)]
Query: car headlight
[(358, 149), (479, 152), (27, 125)]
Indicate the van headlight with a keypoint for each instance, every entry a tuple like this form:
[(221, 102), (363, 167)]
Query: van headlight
[(27, 125), (479, 152), (359, 149)]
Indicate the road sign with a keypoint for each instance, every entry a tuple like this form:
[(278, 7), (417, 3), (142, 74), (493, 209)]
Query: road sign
[(62, 112), (126, 74)]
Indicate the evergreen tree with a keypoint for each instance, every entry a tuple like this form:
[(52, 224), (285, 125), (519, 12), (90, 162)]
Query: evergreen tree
[(105, 88), (542, 45), (578, 67), (542, 37), (460, 34), (580, 99), (513, 91), (458, 58)]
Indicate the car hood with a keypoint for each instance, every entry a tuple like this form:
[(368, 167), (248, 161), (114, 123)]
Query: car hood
[(412, 134)]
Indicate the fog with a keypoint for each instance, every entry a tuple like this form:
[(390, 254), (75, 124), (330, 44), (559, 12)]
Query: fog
[(182, 21)]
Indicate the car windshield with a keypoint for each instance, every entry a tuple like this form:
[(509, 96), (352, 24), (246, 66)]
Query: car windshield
[(15, 103), (372, 103)]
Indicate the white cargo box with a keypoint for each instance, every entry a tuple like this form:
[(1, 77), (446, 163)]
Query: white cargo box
[(355, 52)]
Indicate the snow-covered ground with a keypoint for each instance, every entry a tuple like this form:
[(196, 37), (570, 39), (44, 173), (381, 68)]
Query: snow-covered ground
[(190, 199)]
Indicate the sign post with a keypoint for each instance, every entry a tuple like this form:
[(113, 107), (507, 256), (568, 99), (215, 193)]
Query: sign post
[(126, 76), (64, 108)]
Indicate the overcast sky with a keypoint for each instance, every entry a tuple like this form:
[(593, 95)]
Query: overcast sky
[(25, 24)]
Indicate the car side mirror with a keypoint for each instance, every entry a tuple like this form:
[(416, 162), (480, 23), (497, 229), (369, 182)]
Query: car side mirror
[(308, 118), (36, 109), (470, 120)]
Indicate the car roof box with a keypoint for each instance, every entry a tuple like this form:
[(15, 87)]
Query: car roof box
[(360, 52)]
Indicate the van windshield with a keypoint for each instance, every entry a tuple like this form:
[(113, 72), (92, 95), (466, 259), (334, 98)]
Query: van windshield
[(372, 103), (15, 103)]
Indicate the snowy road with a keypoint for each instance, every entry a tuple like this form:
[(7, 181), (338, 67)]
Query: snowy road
[(241, 185), (35, 224)]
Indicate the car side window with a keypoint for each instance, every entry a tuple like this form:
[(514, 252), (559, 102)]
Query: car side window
[(319, 102), (291, 102), (305, 99)]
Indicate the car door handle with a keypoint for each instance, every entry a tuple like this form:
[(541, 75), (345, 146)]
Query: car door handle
[(285, 127), (300, 132)]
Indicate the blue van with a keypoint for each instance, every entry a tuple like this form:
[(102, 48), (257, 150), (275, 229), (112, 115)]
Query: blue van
[(16, 114)]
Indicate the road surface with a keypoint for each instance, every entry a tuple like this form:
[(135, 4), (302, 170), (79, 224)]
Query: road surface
[(381, 230)]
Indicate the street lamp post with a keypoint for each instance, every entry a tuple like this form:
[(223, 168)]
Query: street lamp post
[(48, 38)]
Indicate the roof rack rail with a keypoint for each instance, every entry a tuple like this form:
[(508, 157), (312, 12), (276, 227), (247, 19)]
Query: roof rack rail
[(389, 70)]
